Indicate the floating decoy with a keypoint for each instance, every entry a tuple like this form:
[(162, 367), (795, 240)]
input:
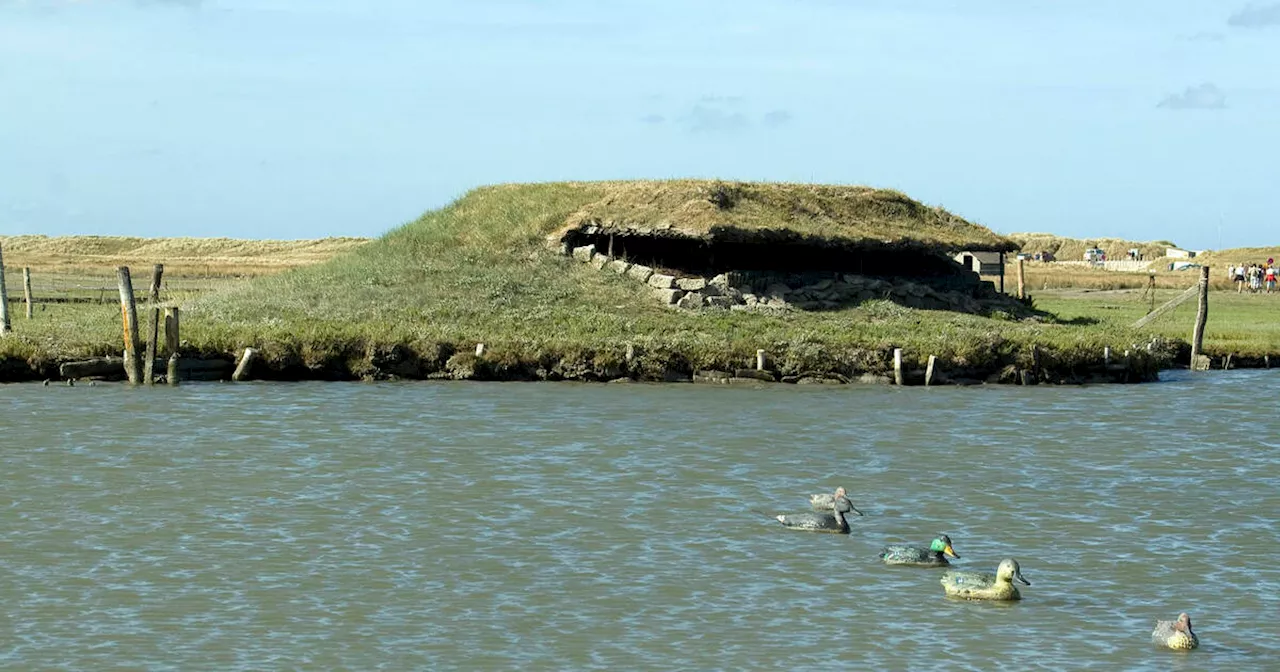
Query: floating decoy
[(1176, 635), (985, 585), (825, 501), (933, 556), (821, 522)]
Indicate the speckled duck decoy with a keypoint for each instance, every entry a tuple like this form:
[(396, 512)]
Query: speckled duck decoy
[(917, 556), (1176, 635), (985, 585), (821, 522), (825, 501)]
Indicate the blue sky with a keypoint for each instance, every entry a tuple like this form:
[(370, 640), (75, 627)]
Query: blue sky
[(1145, 119)]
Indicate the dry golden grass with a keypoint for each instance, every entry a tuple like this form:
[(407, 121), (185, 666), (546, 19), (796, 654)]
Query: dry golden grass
[(1238, 255), (702, 207), (1041, 276), (209, 257), (1072, 249)]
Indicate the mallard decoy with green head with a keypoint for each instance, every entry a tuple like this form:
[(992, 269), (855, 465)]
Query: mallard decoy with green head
[(985, 585), (1176, 635), (917, 556)]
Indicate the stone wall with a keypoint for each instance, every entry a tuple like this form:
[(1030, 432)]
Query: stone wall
[(804, 291)]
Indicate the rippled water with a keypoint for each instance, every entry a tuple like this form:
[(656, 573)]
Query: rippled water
[(555, 526)]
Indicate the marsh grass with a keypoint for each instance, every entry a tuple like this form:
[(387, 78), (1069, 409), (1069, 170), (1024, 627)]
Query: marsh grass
[(1239, 324), (480, 271)]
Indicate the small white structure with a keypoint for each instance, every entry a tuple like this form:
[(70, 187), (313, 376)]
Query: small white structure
[(1176, 253), (982, 263)]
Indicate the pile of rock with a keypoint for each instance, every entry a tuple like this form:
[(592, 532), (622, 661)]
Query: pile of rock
[(782, 292)]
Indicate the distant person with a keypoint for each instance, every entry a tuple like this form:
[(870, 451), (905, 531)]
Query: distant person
[(1238, 276), (1269, 277), (1255, 278)]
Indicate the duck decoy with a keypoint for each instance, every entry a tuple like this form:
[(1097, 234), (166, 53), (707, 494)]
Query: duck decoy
[(1176, 635), (985, 585), (933, 556), (826, 501), (821, 522)]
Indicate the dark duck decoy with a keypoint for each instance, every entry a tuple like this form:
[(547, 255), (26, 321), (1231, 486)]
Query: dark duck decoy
[(820, 521), (916, 556)]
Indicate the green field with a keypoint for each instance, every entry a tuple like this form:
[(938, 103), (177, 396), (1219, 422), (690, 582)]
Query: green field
[(1243, 325)]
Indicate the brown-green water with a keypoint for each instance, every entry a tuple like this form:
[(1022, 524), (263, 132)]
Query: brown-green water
[(559, 526)]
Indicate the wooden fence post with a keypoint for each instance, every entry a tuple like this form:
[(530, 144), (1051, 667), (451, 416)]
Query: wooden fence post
[(1202, 316), (156, 273), (897, 366), (148, 366), (759, 360), (129, 316), (4, 300), (171, 331), (928, 370), (1022, 279), (26, 291), (246, 363)]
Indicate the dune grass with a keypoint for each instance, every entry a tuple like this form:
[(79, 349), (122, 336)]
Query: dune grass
[(1072, 249), (191, 257)]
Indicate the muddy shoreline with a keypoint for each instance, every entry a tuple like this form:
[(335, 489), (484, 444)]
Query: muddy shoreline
[(447, 362)]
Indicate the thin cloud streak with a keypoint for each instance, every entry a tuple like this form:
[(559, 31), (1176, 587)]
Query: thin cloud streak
[(1205, 96), (1256, 16)]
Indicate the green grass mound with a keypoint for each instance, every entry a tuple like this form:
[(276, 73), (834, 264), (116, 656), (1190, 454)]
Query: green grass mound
[(480, 271)]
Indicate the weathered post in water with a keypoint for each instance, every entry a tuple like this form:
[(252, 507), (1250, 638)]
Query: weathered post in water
[(1202, 316), (246, 364), (26, 291), (928, 370), (171, 331), (4, 300), (1022, 279), (129, 317), (759, 360), (148, 366), (157, 272), (897, 366), (171, 376)]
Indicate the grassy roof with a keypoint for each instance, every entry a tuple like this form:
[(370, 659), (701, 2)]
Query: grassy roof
[(738, 210)]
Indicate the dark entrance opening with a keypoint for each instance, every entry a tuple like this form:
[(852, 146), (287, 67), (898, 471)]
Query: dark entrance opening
[(771, 253)]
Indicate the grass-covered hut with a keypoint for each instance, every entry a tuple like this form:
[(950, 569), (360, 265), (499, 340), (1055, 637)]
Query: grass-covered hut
[(712, 227)]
